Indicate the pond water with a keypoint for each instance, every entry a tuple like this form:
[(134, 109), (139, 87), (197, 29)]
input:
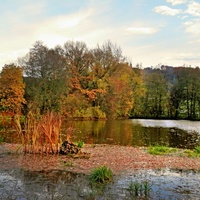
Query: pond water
[(162, 184), (166, 184), (128, 132), (135, 132)]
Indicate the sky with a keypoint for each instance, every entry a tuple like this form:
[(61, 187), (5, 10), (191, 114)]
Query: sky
[(149, 32)]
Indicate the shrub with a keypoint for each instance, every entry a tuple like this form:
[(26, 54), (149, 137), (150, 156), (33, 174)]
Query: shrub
[(79, 144), (101, 175)]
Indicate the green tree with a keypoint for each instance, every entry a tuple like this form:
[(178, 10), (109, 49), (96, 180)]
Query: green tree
[(156, 94), (185, 93), (45, 77), (139, 91)]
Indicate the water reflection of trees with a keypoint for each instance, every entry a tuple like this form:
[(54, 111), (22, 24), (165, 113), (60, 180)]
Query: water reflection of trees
[(183, 139), (45, 184), (124, 132), (145, 136)]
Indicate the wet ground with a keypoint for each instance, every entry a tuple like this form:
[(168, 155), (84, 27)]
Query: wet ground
[(19, 183), (161, 184)]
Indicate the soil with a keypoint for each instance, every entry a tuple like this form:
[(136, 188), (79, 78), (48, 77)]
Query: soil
[(120, 159)]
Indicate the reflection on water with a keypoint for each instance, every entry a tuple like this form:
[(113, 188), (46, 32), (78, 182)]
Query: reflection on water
[(163, 184), (132, 132), (186, 125), (23, 184), (137, 132)]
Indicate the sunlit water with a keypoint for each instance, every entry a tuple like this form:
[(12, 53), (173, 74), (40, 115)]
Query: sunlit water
[(130, 132), (135, 132), (180, 124)]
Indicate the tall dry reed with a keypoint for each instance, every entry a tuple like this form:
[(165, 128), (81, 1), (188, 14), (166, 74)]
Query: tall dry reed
[(42, 133)]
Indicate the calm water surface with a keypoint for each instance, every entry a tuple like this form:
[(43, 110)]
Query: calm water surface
[(135, 132), (130, 132), (163, 184)]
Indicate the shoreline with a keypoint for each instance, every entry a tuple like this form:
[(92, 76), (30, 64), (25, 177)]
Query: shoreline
[(120, 159)]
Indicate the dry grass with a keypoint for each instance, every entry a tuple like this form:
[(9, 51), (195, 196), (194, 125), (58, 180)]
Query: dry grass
[(41, 133)]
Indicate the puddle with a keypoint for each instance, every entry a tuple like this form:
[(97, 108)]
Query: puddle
[(163, 184), (26, 185)]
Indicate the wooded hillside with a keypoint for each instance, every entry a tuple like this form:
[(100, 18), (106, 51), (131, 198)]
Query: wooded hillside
[(97, 83)]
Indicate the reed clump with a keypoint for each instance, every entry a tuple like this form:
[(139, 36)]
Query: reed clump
[(41, 134)]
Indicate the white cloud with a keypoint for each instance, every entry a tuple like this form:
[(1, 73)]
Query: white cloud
[(142, 30), (95, 23), (193, 27), (52, 31), (57, 30), (165, 10), (183, 17), (176, 2), (193, 9), (9, 57)]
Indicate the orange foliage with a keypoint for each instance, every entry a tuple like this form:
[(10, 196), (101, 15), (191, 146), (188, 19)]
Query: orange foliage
[(11, 89)]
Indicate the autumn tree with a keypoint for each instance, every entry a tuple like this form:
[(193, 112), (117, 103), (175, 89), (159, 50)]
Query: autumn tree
[(120, 95), (100, 83), (12, 89), (89, 72)]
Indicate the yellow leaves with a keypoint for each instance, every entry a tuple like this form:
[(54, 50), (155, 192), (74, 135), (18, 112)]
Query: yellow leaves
[(12, 88), (92, 94)]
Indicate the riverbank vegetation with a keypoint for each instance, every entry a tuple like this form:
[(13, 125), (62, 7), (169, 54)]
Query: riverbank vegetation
[(165, 150), (97, 83)]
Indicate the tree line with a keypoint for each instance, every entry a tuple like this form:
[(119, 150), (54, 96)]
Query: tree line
[(97, 83)]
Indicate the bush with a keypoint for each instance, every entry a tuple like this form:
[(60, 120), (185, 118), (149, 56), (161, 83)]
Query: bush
[(101, 175), (79, 144)]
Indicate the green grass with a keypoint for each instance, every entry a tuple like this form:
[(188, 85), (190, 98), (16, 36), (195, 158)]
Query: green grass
[(197, 150), (79, 144), (139, 189), (161, 150), (193, 153), (100, 175)]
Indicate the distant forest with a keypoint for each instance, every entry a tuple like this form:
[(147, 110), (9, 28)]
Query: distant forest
[(97, 83)]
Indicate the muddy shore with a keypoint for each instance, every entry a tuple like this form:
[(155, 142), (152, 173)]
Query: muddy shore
[(120, 159)]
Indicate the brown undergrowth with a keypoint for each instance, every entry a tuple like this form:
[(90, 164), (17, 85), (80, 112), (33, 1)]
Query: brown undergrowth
[(118, 158)]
